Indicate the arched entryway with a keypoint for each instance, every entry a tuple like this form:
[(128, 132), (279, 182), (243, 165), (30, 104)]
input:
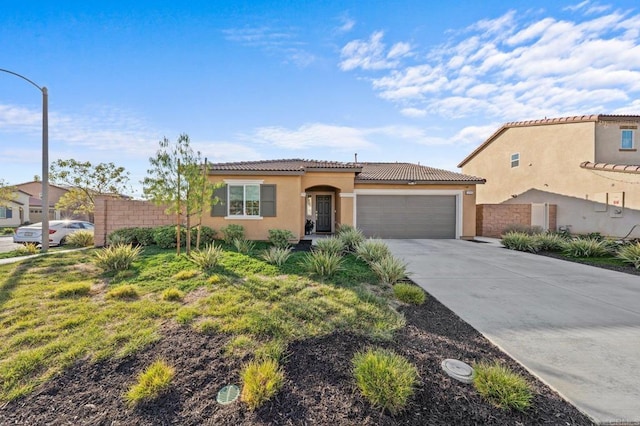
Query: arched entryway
[(321, 207)]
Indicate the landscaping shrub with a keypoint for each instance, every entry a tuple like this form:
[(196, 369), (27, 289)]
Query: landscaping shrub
[(280, 237), (344, 228), (261, 380), (331, 245), (122, 236), (232, 232), (208, 257), (630, 253), (185, 274), (172, 295), (207, 235), (586, 247), (385, 378), (80, 239), (29, 248), (72, 290), (549, 242), (151, 383), (126, 291), (118, 257), (523, 229), (351, 238), (276, 255), (144, 236), (322, 263), (372, 250), (166, 236), (502, 387), (519, 241), (389, 269), (7, 231), (409, 293), (243, 246)]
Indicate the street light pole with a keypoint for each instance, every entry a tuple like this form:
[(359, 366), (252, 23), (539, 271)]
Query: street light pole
[(45, 158)]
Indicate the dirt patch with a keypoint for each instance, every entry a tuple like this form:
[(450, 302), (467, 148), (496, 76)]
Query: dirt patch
[(319, 388)]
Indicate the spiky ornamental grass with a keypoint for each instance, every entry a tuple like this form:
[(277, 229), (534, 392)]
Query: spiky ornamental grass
[(151, 383), (586, 247), (208, 257), (261, 380), (389, 269), (502, 387), (630, 254), (117, 257), (276, 255), (372, 251), (519, 241), (322, 264)]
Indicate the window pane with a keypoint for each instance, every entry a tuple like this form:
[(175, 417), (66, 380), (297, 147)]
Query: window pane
[(236, 200), (515, 160), (253, 200), (627, 139)]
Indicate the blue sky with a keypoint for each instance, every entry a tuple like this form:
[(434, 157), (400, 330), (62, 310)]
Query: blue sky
[(390, 80)]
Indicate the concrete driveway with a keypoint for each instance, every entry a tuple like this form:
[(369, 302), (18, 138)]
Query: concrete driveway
[(576, 327)]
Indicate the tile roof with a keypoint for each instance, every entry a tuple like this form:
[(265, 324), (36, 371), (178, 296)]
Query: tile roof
[(406, 172), (547, 122), (365, 172), (622, 168)]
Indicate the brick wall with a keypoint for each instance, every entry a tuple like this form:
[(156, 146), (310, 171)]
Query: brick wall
[(493, 219), (113, 213)]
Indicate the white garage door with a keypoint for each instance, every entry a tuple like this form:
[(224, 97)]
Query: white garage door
[(406, 216)]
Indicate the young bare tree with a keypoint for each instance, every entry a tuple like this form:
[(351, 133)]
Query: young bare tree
[(178, 179), (86, 182)]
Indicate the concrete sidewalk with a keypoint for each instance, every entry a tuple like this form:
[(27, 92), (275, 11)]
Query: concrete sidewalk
[(576, 327)]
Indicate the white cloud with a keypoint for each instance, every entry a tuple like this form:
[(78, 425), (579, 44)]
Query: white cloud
[(19, 119), (370, 54), (346, 24), (312, 136), (517, 66)]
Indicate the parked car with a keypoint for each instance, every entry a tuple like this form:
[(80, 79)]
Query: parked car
[(58, 231)]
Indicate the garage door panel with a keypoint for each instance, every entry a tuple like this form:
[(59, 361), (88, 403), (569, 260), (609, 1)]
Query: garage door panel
[(407, 216)]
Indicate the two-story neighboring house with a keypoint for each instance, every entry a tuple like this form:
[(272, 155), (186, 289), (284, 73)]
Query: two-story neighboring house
[(588, 166)]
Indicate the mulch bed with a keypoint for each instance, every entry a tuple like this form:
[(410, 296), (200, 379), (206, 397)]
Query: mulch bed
[(319, 388), (627, 269)]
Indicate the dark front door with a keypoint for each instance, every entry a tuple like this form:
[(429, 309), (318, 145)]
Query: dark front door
[(323, 213)]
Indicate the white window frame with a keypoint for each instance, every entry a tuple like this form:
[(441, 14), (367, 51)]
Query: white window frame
[(622, 139), (515, 158), (3, 212), (244, 184)]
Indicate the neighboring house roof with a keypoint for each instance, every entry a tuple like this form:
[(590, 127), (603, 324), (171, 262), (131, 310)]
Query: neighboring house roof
[(622, 168), (547, 122), (40, 182), (365, 172)]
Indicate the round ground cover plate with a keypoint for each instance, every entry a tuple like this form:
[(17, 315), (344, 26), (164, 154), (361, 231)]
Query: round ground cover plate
[(228, 394), (458, 370)]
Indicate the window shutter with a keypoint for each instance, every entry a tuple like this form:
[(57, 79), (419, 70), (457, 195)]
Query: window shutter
[(267, 200), (220, 209), (9, 213)]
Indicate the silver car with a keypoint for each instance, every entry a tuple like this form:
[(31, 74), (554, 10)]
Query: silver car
[(58, 231)]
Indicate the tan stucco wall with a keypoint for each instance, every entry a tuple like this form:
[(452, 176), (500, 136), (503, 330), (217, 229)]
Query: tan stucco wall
[(468, 230), (609, 138), (549, 171)]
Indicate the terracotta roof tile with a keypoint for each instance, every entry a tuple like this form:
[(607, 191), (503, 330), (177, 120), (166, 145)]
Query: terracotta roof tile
[(622, 168), (405, 172), (288, 165)]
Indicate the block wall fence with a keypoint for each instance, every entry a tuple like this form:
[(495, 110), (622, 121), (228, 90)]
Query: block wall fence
[(116, 213), (493, 219)]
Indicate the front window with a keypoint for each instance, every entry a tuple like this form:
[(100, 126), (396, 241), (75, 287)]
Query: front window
[(515, 160), (244, 200), (627, 139), (3, 212)]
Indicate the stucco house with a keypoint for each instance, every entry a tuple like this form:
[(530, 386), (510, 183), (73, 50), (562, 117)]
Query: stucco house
[(589, 166), (34, 189), (15, 212), (386, 200)]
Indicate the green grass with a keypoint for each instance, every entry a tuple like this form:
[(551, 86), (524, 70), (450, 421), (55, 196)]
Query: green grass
[(60, 308), (151, 383), (385, 378), (502, 387), (261, 380), (409, 293)]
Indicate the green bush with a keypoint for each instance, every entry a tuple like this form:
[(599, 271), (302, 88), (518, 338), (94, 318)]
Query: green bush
[(207, 235), (144, 236), (586, 247), (549, 242), (166, 236), (7, 231), (232, 232), (389, 269), (276, 255), (630, 253), (280, 237), (122, 236), (261, 380), (385, 378), (409, 293), (502, 387), (331, 245), (244, 246), (80, 239), (519, 241), (118, 257), (351, 238), (372, 250), (322, 264), (208, 257), (151, 383)]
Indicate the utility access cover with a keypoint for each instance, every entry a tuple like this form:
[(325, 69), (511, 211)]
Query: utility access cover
[(458, 370), (228, 394)]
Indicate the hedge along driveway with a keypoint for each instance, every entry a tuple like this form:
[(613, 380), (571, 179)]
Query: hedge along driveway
[(575, 326)]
